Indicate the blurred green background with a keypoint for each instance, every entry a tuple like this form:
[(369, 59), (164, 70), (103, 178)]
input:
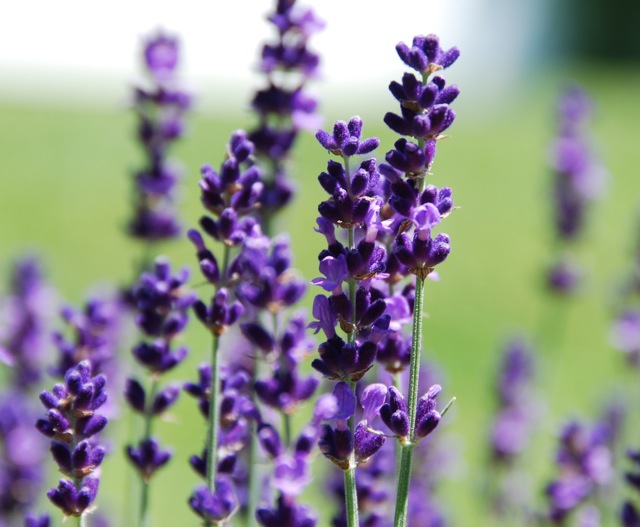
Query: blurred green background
[(65, 175)]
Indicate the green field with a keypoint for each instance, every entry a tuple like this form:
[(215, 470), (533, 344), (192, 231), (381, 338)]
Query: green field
[(65, 194)]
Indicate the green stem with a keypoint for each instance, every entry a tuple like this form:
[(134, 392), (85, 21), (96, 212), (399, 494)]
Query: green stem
[(148, 424), (404, 480), (416, 351), (404, 477), (81, 520), (351, 496), (212, 434), (286, 428)]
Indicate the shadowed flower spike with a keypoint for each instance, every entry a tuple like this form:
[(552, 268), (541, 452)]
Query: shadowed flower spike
[(160, 107), (286, 514), (345, 139)]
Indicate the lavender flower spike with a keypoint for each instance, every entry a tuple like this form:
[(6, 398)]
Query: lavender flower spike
[(160, 107), (70, 423)]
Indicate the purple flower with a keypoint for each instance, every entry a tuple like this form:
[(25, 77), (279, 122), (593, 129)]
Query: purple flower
[(338, 442), (422, 254), (161, 55), (36, 521), (160, 109), (24, 313), (214, 506), (425, 54), (286, 513), (71, 420), (341, 360), (70, 499), (345, 139), (283, 105), (94, 335), (148, 457), (220, 314)]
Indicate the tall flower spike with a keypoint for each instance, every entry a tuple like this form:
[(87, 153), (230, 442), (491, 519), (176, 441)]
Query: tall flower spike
[(162, 306), (578, 181), (283, 105), (410, 212), (160, 107)]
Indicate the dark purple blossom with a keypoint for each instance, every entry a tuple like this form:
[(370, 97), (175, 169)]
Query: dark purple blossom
[(217, 505), (286, 513), (340, 360), (345, 140), (425, 54), (148, 457), (71, 421), (423, 253), (338, 442), (220, 314)]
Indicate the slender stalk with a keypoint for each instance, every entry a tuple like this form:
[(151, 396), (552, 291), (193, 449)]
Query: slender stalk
[(143, 520), (404, 477), (252, 476), (350, 491), (81, 520), (286, 428), (351, 496), (213, 432), (404, 480)]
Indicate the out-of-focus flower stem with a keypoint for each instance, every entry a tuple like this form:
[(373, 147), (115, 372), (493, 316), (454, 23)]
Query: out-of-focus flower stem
[(144, 494)]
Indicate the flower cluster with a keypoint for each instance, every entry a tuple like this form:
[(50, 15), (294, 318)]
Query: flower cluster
[(92, 334), (584, 459), (72, 424), (25, 311), (513, 425), (388, 213), (160, 108), (578, 179), (162, 314), (284, 107), (232, 196)]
